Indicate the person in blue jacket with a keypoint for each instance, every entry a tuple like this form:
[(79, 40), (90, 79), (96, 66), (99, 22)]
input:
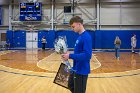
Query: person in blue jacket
[(81, 57)]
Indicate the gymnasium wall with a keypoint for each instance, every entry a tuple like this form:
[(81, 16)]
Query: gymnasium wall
[(0, 15), (16, 38), (113, 15), (9, 37), (50, 37), (119, 16), (104, 39), (70, 35), (101, 39)]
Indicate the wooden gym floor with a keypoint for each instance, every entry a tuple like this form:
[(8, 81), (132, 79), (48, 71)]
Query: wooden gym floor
[(33, 71)]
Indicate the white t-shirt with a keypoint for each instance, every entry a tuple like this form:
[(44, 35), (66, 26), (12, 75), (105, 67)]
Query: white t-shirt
[(43, 40), (133, 41)]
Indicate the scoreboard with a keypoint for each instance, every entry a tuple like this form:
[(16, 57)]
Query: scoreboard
[(30, 11)]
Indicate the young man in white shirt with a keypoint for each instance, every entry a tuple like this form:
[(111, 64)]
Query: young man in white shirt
[(133, 43)]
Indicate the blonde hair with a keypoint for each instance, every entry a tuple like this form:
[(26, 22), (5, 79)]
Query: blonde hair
[(117, 40)]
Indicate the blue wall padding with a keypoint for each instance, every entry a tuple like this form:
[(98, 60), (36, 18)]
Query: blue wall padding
[(126, 38), (9, 37), (104, 39), (42, 33), (50, 37), (98, 39), (101, 39), (1, 17), (70, 35), (92, 33), (19, 38)]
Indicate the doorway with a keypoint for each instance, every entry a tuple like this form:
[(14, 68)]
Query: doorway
[(31, 40)]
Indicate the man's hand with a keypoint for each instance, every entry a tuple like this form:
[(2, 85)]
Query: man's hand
[(65, 56)]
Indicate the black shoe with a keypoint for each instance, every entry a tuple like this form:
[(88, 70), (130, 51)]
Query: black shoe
[(133, 52)]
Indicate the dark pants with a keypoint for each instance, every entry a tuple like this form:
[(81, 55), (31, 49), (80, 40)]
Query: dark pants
[(43, 46), (77, 83)]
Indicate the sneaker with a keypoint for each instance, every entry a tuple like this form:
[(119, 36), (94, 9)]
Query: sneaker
[(133, 51)]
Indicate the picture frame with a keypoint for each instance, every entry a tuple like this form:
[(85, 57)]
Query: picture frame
[(62, 76)]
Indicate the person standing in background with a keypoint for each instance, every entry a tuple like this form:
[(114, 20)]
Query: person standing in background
[(133, 43), (81, 57), (43, 42), (117, 43)]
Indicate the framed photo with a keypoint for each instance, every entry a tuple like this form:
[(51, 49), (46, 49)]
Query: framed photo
[(62, 76)]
